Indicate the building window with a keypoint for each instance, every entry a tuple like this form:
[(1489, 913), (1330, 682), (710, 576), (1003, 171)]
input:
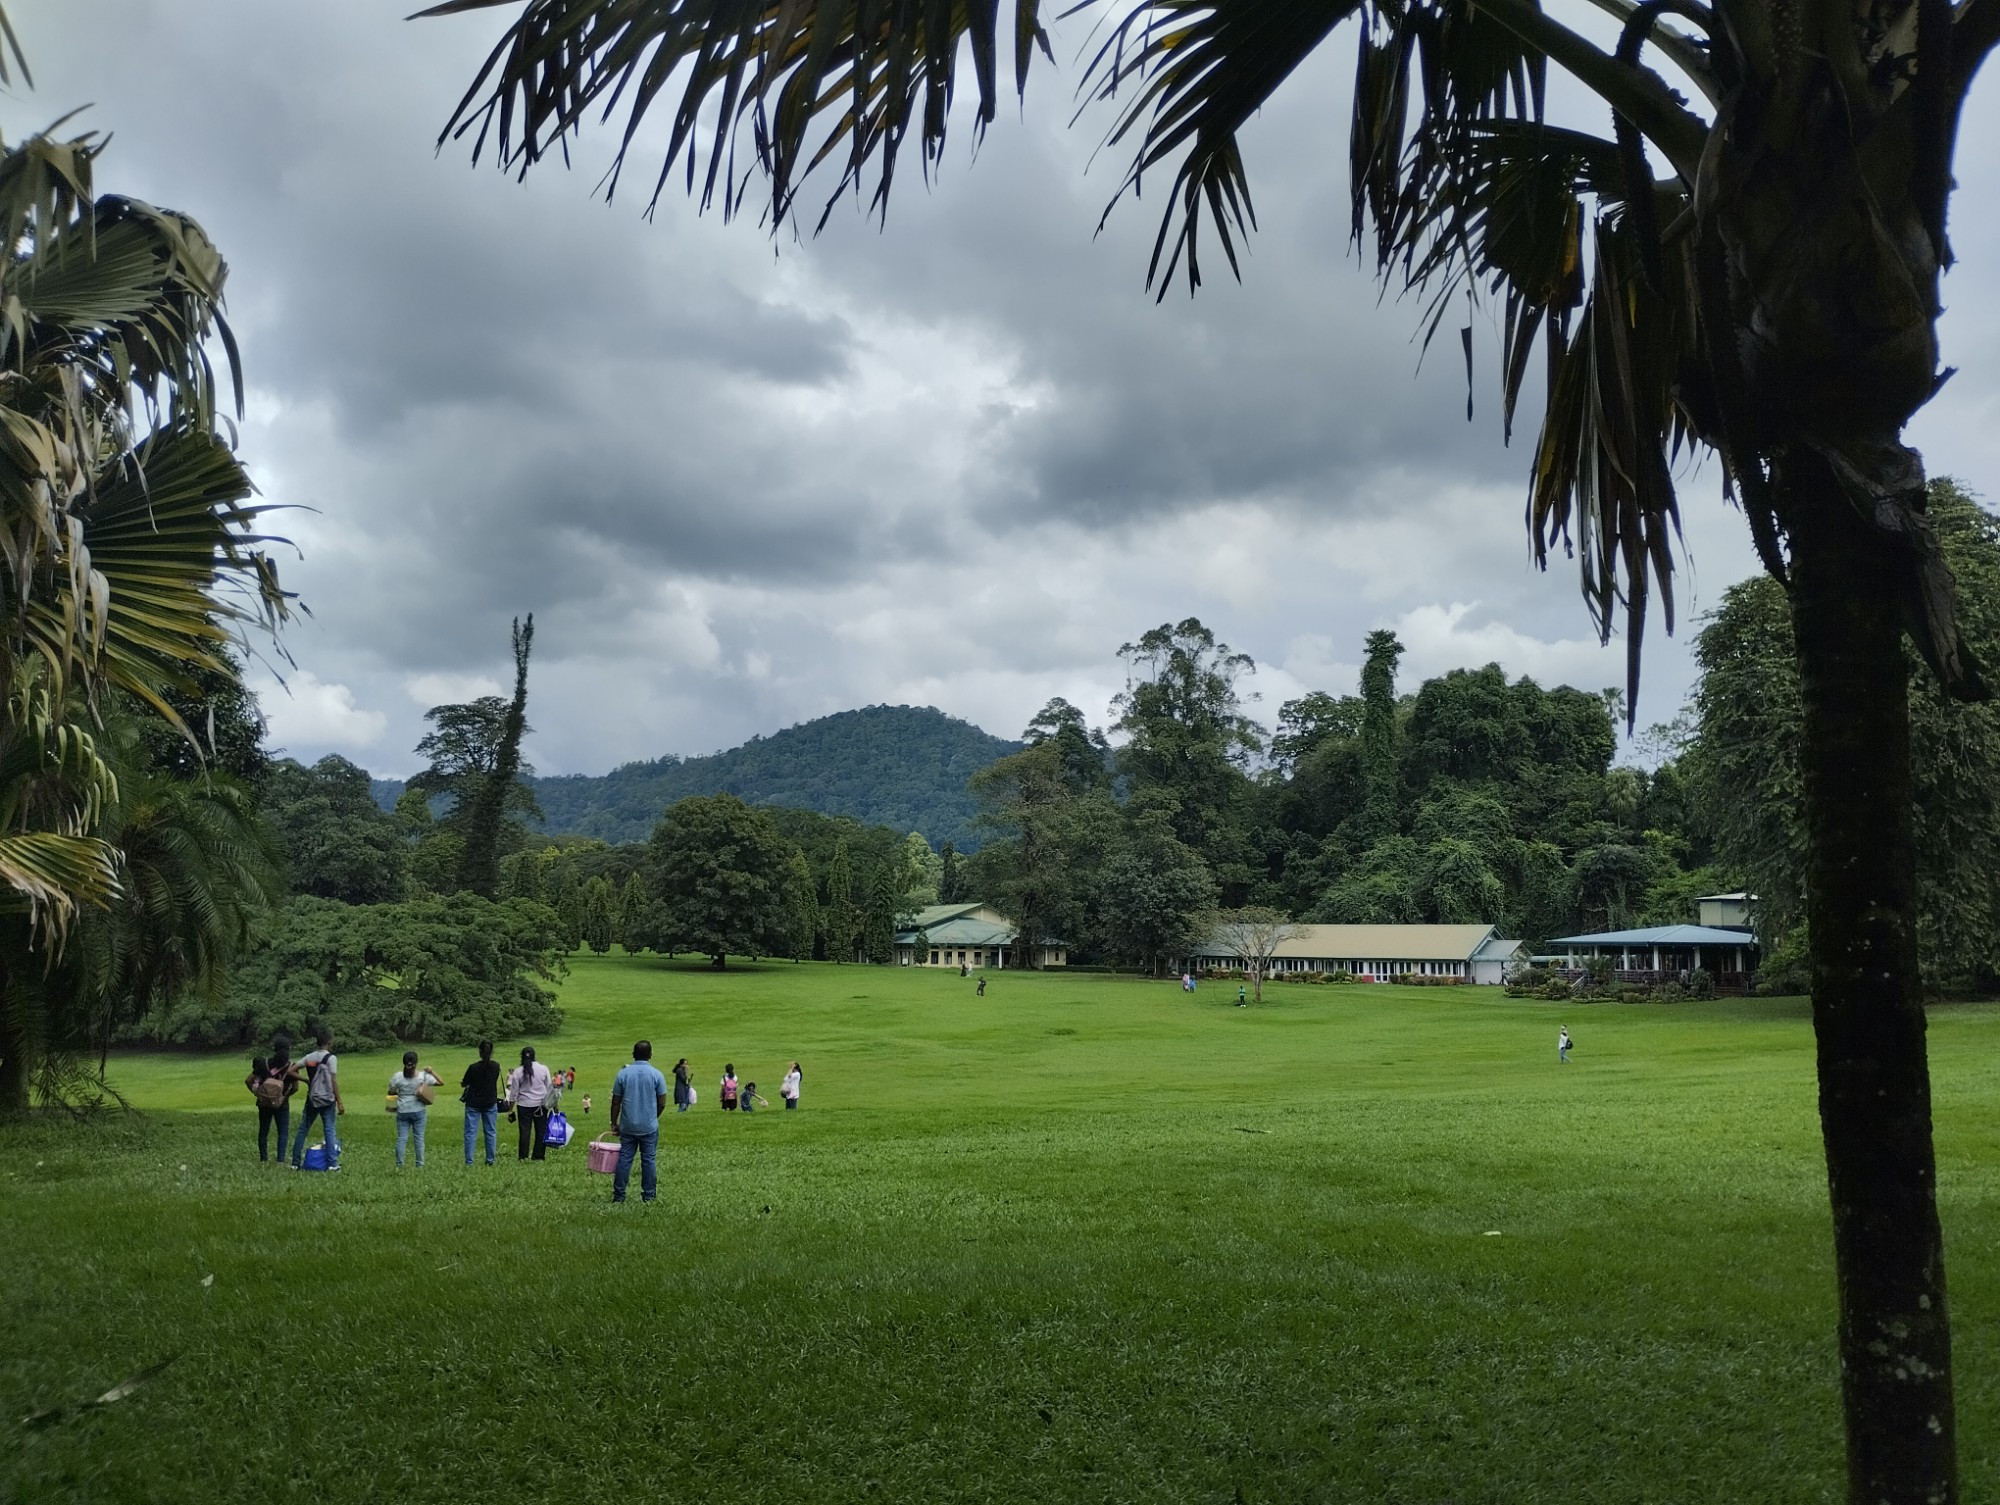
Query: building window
[(934, 960)]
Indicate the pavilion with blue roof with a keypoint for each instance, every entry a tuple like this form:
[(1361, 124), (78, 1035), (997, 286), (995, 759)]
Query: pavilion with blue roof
[(1669, 949)]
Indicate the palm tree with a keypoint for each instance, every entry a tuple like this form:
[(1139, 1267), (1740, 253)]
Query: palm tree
[(128, 550), (1773, 298)]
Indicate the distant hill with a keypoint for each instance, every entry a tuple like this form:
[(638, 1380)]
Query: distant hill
[(892, 765)]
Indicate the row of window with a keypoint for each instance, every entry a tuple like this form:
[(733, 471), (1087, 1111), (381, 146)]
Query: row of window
[(1369, 968)]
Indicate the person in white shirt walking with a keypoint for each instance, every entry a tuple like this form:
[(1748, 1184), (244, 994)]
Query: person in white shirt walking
[(1562, 1045), (789, 1088), (529, 1091)]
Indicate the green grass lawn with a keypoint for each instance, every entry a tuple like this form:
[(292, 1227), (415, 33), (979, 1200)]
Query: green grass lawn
[(1082, 1239)]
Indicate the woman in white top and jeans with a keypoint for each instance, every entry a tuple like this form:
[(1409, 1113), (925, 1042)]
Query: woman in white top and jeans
[(412, 1107), (529, 1090)]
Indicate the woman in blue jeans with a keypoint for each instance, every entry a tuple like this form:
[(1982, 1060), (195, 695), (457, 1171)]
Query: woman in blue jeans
[(413, 1090)]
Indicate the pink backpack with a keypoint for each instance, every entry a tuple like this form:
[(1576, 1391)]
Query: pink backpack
[(729, 1089)]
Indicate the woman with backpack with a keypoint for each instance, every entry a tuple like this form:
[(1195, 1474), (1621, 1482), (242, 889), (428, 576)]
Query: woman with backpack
[(268, 1087), (529, 1090), (412, 1091), (729, 1088)]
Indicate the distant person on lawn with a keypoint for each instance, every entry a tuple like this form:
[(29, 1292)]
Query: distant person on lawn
[(415, 1089), (729, 1088), (1562, 1045), (789, 1088), (638, 1098), (481, 1095), (320, 1071), (751, 1099), (268, 1087), (980, 991), (530, 1094), (683, 1086)]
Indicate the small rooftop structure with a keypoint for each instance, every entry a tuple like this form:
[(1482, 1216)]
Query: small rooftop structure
[(1725, 911)]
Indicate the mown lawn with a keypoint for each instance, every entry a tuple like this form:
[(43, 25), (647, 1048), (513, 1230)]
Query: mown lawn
[(1084, 1239)]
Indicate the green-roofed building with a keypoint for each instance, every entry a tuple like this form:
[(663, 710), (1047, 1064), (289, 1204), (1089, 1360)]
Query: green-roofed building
[(966, 935)]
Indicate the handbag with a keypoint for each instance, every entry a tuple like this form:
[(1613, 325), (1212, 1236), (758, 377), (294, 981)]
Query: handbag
[(558, 1131), (427, 1093)]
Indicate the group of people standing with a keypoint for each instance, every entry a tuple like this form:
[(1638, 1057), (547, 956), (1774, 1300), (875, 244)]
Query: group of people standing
[(530, 1097), (639, 1097)]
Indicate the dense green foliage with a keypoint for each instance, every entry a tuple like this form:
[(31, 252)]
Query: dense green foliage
[(1475, 799), (337, 842), (1741, 755), (1090, 1238), (903, 767), (437, 968)]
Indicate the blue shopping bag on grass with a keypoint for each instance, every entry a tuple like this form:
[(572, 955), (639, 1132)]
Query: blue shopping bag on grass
[(315, 1159), (558, 1131)]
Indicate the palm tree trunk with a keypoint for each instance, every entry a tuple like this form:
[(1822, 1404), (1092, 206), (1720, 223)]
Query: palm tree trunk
[(1868, 1018)]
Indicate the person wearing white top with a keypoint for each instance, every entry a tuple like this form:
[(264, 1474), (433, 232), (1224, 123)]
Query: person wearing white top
[(789, 1088), (411, 1092), (1562, 1045), (530, 1089)]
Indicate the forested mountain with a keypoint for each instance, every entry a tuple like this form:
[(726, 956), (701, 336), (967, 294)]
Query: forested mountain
[(890, 765)]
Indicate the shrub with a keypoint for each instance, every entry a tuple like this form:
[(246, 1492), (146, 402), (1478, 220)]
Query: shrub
[(1700, 984)]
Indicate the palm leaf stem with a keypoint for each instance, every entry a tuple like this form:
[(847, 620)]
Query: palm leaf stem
[(1639, 94)]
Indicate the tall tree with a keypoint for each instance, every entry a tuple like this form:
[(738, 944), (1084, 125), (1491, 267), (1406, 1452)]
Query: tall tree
[(635, 921), (720, 869), (1153, 894), (802, 917), (600, 919), (1188, 737), (499, 788), (878, 920), (1378, 732), (951, 888), (840, 916), (337, 842), (1775, 299)]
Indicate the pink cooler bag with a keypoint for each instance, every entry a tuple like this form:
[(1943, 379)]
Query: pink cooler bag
[(604, 1155)]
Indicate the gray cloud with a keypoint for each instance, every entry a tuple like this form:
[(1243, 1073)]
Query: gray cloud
[(743, 482)]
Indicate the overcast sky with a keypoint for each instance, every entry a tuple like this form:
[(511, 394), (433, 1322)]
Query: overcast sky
[(742, 483)]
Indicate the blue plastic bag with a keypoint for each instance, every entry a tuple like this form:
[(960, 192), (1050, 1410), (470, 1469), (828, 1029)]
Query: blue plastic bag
[(315, 1159), (558, 1131)]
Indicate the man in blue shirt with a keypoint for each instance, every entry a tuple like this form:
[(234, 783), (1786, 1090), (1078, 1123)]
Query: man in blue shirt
[(638, 1097)]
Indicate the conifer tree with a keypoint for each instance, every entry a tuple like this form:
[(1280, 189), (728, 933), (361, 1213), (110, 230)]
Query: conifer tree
[(634, 919), (878, 928), (599, 922), (840, 915), (802, 907)]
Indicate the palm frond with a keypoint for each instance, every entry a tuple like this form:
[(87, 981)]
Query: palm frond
[(1196, 71), (869, 69)]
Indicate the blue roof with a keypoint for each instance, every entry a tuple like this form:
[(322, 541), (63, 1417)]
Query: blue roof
[(1662, 935)]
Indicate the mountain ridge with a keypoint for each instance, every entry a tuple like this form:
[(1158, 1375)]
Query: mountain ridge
[(902, 766)]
